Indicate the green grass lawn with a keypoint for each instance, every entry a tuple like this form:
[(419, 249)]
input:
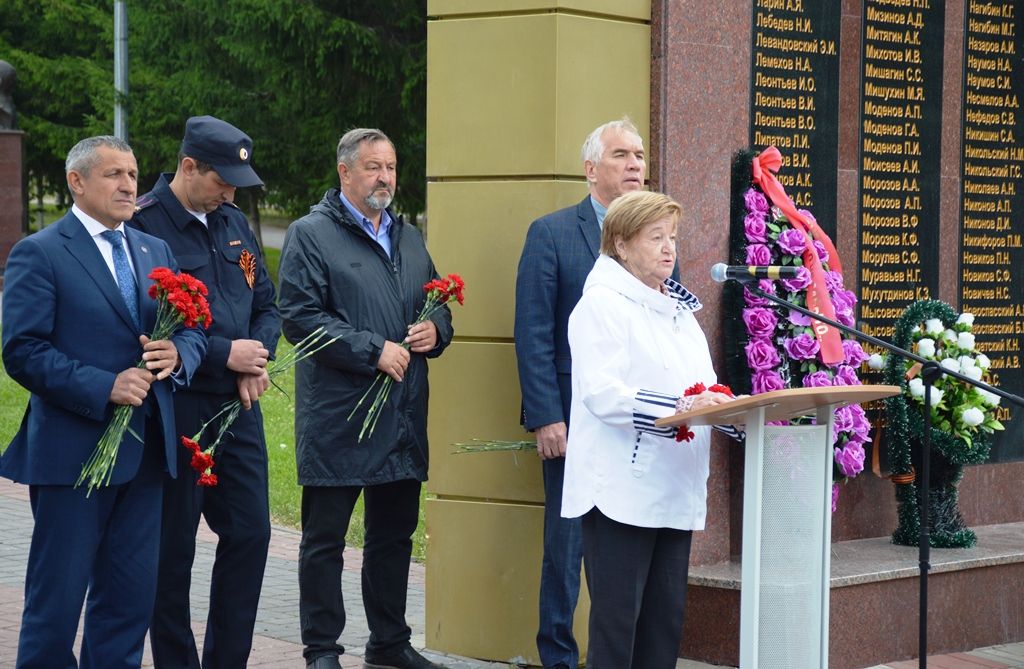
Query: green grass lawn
[(278, 421), (273, 258)]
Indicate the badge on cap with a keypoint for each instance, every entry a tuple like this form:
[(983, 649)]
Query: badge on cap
[(243, 154)]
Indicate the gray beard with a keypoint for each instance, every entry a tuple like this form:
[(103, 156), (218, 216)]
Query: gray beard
[(378, 203)]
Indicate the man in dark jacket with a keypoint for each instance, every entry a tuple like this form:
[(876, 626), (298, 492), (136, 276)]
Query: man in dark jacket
[(352, 267), (558, 254), (192, 211)]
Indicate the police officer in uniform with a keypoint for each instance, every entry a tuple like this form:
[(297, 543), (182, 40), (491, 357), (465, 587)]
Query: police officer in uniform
[(192, 211)]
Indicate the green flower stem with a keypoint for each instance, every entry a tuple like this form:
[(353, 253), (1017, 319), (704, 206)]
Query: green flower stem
[(431, 305), (373, 415), (488, 446), (377, 379), (230, 410), (98, 469)]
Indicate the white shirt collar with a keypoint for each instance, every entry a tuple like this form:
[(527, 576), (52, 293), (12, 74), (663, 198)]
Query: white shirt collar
[(92, 226), (199, 216)]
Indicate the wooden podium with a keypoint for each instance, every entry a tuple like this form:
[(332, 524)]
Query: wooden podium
[(787, 520)]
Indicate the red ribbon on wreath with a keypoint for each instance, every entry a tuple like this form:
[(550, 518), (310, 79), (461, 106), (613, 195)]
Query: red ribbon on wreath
[(684, 433), (765, 165)]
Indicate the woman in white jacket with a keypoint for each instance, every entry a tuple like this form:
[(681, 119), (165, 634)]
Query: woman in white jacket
[(635, 348)]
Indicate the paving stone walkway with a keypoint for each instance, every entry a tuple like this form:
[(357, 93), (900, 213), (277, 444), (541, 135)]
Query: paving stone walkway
[(276, 644)]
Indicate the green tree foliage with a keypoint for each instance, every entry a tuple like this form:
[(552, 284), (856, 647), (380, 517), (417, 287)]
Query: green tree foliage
[(293, 75), (64, 90)]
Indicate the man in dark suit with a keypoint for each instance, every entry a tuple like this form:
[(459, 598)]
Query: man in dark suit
[(559, 252), (192, 211), (75, 309)]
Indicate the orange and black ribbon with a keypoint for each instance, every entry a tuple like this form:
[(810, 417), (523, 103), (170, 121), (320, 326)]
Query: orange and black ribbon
[(765, 165), (248, 264)]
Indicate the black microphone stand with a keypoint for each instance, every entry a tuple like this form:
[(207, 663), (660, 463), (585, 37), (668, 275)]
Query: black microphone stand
[(930, 372)]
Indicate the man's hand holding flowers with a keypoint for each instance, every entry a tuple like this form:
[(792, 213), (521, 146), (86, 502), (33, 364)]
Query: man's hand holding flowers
[(248, 359), (131, 386), (160, 355), (422, 337), (181, 301), (247, 356), (393, 361), (251, 387)]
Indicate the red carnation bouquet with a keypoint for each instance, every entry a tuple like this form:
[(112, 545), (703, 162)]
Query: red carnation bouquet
[(684, 433), (439, 293), (202, 458), (181, 300)]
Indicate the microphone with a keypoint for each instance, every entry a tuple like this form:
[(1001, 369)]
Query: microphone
[(745, 273)]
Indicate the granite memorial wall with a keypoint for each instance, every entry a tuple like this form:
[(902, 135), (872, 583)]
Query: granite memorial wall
[(900, 123)]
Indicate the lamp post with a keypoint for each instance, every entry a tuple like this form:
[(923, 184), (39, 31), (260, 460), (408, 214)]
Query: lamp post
[(120, 69)]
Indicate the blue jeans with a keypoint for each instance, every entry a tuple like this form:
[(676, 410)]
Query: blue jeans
[(559, 575)]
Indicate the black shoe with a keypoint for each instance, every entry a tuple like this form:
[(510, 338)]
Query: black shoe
[(324, 662), (406, 659)]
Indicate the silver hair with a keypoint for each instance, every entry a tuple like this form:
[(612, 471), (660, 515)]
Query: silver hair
[(348, 145), (82, 156), (593, 147)]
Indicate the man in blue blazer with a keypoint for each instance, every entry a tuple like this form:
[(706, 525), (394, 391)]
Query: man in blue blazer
[(75, 311), (559, 252)]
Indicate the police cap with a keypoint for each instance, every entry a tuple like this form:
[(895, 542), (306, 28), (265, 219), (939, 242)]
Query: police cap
[(224, 147)]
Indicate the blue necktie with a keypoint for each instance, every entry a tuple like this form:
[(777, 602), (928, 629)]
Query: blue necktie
[(125, 278)]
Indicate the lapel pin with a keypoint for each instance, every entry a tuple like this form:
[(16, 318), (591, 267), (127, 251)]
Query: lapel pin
[(144, 248), (235, 242)]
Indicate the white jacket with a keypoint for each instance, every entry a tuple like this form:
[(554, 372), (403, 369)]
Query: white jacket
[(634, 351)]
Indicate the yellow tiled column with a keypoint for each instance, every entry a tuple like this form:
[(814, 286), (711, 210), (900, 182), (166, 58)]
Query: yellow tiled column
[(513, 89)]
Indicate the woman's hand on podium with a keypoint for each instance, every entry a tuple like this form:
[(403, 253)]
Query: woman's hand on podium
[(709, 398)]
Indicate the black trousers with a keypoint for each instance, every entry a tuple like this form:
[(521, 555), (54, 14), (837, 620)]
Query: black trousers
[(237, 510), (391, 513), (637, 582)]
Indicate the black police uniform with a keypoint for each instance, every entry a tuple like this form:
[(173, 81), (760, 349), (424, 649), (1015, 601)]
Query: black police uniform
[(237, 508)]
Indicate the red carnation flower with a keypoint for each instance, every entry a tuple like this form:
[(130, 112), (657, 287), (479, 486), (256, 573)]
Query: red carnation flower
[(161, 274), (684, 433), (458, 285), (201, 461), (695, 389), (434, 284), (193, 285)]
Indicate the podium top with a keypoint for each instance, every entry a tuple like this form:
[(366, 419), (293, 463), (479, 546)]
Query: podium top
[(779, 405)]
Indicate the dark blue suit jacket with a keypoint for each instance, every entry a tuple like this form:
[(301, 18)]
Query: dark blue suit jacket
[(66, 335), (559, 252)]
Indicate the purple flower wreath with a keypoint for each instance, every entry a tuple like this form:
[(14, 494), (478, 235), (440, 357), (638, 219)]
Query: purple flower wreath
[(781, 349)]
